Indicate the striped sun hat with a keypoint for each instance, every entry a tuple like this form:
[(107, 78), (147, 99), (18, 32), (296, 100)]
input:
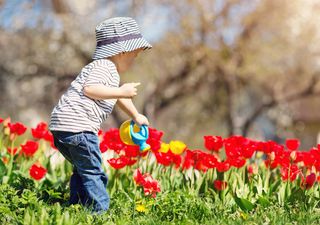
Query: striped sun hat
[(117, 35)]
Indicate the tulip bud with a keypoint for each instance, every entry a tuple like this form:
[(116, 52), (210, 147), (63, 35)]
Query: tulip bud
[(313, 170), (12, 136), (293, 155), (6, 121), (5, 160), (6, 131), (272, 156)]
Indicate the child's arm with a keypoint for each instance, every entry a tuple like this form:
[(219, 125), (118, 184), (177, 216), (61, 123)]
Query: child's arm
[(128, 107), (101, 92), (123, 94)]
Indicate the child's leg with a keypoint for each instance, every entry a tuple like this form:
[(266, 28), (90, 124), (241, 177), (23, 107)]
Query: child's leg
[(65, 141), (86, 157), (60, 145), (77, 190)]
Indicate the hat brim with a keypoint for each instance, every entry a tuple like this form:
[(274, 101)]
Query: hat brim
[(109, 50)]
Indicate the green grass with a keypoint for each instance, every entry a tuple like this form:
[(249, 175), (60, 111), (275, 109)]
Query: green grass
[(27, 206)]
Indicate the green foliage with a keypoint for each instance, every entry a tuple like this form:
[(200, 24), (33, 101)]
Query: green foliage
[(177, 207)]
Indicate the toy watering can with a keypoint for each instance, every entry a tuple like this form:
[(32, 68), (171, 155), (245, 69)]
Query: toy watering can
[(131, 134)]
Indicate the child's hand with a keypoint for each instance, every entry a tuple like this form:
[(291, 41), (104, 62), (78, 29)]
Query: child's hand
[(140, 119), (129, 90)]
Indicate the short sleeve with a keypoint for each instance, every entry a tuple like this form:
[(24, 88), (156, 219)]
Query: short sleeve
[(102, 75)]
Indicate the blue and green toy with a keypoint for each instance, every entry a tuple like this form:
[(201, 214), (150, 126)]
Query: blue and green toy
[(132, 134)]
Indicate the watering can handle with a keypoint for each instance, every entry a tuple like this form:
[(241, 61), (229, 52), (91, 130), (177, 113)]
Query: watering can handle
[(142, 134)]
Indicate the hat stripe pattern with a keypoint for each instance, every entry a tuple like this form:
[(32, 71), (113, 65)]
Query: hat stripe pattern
[(117, 35), (117, 39)]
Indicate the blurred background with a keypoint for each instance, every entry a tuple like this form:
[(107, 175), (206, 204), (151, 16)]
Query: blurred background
[(218, 67)]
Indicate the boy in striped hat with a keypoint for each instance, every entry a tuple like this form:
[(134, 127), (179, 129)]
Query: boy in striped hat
[(77, 117)]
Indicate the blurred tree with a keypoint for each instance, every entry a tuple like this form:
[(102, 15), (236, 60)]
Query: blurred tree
[(216, 67), (235, 63)]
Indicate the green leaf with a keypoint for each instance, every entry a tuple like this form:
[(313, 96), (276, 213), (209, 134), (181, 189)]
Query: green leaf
[(5, 179), (297, 195), (3, 169), (54, 194), (244, 204), (274, 186), (263, 201)]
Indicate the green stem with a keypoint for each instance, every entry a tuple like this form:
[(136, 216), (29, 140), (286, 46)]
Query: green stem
[(192, 181), (134, 200), (115, 182), (170, 177), (10, 163), (267, 180), (147, 162), (1, 141)]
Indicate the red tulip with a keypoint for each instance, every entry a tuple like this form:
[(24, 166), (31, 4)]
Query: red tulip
[(237, 162), (131, 151), (154, 143), (103, 146), (100, 133), (17, 128), (250, 169), (290, 172), (131, 162), (121, 162), (310, 180), (163, 158), (168, 158), (37, 172), (138, 177), (49, 138), (248, 151), (213, 143), (220, 185), (113, 141), (198, 159), (1, 120), (150, 185), (155, 134), (269, 146), (176, 159), (232, 150), (29, 148), (292, 144), (310, 158), (223, 166), (210, 161), (188, 160), (12, 151), (40, 131)]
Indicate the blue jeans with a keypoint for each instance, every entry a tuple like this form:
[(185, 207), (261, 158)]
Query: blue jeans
[(88, 182)]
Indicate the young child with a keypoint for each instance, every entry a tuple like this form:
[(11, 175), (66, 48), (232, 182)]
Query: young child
[(76, 118)]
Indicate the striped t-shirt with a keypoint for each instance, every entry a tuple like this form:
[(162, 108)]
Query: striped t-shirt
[(76, 112)]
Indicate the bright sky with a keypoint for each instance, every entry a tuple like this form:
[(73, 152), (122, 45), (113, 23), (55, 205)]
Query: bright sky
[(16, 14)]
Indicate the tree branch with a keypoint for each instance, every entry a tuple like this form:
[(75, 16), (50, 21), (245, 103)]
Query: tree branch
[(306, 92)]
